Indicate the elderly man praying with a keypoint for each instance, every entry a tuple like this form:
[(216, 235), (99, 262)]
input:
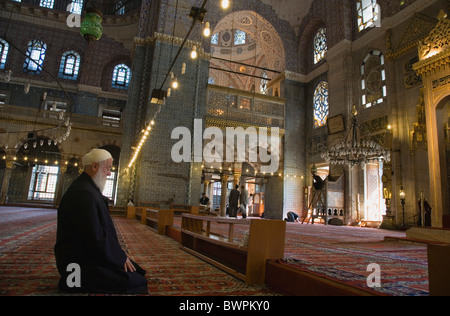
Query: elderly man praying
[(87, 238)]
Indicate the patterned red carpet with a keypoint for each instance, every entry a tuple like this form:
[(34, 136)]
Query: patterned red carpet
[(344, 254), (27, 264)]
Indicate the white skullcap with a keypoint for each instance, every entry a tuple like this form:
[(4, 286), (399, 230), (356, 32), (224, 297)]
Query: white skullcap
[(95, 155)]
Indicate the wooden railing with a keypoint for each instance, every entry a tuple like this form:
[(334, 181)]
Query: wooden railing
[(243, 258)]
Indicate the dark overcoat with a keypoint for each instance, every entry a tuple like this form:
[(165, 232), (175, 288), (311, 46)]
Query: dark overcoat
[(87, 237)]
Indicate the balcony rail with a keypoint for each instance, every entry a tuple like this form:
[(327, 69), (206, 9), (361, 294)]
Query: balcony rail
[(246, 107), (24, 116)]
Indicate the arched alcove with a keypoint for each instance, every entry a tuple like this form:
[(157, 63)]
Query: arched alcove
[(245, 63)]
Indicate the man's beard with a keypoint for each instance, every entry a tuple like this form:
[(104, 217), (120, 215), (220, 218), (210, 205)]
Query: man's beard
[(99, 181)]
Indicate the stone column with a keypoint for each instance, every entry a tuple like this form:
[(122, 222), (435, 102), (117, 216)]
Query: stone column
[(223, 195), (5, 184)]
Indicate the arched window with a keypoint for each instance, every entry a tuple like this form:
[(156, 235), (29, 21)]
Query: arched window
[(321, 109), (263, 84), (121, 76), (239, 37), (35, 57), (320, 45), (47, 4), (368, 13), (4, 48), (70, 65), (373, 79)]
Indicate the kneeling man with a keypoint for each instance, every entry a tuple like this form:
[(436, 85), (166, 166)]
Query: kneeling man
[(86, 236)]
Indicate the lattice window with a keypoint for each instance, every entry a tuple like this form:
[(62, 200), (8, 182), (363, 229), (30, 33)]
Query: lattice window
[(35, 57), (373, 79), (109, 189), (43, 183), (4, 48), (368, 13), (321, 108), (121, 76), (70, 65), (47, 4), (239, 37), (320, 45)]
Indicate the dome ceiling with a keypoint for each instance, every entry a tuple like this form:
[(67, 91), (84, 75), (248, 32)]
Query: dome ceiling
[(292, 11)]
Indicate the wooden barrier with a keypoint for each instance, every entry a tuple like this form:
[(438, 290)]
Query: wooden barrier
[(154, 218), (159, 220), (183, 208), (438, 265), (295, 282), (131, 211), (246, 261), (152, 205)]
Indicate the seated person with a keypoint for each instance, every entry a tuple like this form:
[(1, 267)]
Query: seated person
[(205, 206), (86, 236), (292, 217), (204, 200)]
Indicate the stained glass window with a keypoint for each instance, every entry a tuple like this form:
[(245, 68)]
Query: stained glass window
[(321, 109), (320, 45), (70, 65), (121, 76), (77, 6), (368, 13), (4, 47), (239, 37), (264, 82), (215, 39), (35, 57), (120, 8), (373, 79), (47, 4)]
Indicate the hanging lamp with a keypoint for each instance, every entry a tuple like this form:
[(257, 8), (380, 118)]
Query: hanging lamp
[(91, 26)]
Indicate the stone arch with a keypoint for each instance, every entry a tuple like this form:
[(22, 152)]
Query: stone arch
[(265, 49), (305, 44), (107, 72), (282, 28)]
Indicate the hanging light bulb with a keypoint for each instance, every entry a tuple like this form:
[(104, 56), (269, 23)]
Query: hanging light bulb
[(225, 4), (207, 30), (175, 83), (183, 69), (194, 52)]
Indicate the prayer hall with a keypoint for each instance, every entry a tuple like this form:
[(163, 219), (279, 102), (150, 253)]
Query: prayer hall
[(260, 147)]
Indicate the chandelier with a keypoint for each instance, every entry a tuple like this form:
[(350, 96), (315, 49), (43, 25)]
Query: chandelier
[(357, 148)]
